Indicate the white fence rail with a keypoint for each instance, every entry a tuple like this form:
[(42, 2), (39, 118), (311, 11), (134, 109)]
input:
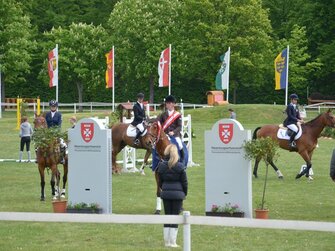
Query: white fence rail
[(186, 220)]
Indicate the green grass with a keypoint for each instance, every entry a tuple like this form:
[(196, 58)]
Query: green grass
[(134, 194)]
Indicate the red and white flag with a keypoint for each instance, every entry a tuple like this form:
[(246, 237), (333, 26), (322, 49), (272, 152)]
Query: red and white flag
[(164, 65), (110, 69), (53, 67)]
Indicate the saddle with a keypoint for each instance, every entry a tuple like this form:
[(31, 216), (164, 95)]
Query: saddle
[(132, 131), (285, 133)]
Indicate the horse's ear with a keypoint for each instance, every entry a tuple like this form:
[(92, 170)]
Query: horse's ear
[(329, 110)]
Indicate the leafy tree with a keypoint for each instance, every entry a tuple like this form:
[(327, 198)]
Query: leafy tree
[(81, 57), (301, 67), (62, 13), (140, 30), (16, 43)]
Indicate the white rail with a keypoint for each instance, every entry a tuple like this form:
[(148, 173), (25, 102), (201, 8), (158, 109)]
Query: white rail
[(186, 220)]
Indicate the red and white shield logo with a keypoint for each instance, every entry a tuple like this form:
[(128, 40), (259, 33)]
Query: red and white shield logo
[(226, 132), (87, 131)]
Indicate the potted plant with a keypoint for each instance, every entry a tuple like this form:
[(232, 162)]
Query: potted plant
[(228, 210), (262, 149), (84, 208)]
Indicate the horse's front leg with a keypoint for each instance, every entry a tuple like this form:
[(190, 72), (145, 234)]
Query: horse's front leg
[(64, 178), (305, 171), (158, 195), (41, 171), (54, 182), (145, 161)]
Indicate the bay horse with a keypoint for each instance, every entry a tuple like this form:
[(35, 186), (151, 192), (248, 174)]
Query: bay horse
[(305, 145), (120, 140), (49, 157)]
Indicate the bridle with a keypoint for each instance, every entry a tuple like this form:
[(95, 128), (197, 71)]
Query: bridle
[(155, 137)]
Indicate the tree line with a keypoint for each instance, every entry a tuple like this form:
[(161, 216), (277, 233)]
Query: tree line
[(200, 31)]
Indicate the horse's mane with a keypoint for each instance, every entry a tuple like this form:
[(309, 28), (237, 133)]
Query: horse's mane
[(313, 121)]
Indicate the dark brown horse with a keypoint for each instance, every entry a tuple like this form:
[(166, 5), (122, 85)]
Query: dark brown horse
[(159, 141), (305, 145), (49, 157), (120, 140)]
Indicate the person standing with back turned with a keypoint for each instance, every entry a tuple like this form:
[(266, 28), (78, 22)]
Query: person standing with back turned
[(172, 179)]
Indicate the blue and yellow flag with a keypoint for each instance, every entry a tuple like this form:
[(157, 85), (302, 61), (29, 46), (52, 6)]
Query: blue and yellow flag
[(281, 64)]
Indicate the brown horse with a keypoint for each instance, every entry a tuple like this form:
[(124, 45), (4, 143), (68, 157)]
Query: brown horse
[(120, 140), (159, 141), (49, 156), (305, 145)]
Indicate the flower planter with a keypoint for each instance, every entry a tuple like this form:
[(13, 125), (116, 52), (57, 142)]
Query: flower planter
[(262, 213), (84, 211), (59, 206), (226, 214)]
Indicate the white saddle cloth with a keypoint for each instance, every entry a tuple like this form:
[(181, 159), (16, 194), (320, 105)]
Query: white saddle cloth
[(282, 133), (132, 131)]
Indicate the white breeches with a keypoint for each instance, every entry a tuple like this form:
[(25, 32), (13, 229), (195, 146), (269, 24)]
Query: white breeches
[(180, 144), (293, 127), (140, 127)]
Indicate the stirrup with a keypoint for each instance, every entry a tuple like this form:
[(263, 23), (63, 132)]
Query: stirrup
[(136, 141)]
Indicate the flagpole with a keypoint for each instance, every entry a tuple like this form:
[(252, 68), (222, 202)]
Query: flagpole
[(228, 63), (113, 91), (170, 69), (286, 87), (58, 73)]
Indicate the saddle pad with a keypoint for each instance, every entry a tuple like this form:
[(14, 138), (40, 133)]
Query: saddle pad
[(132, 130), (282, 133)]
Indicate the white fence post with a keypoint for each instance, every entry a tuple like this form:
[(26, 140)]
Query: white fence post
[(187, 231)]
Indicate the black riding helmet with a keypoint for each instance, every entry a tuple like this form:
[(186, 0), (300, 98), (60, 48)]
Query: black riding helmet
[(140, 95), (170, 99), (53, 103), (294, 96)]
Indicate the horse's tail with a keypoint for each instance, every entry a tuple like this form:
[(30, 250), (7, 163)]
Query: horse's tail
[(254, 136)]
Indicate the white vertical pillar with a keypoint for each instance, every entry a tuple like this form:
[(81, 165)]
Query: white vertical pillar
[(187, 231)]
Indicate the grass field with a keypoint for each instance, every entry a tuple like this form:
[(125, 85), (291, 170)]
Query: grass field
[(134, 194)]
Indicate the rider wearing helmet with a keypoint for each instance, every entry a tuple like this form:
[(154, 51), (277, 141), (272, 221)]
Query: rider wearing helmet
[(171, 121), (139, 117), (293, 117), (53, 117)]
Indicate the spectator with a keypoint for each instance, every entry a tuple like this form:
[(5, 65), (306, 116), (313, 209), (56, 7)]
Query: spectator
[(26, 132), (173, 182), (232, 114), (73, 121)]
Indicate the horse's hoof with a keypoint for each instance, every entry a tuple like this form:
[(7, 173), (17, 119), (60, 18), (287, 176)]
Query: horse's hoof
[(142, 172), (62, 196), (158, 212), (310, 178), (280, 177), (298, 176), (42, 199)]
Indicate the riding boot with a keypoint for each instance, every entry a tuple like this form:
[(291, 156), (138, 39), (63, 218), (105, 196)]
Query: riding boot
[(136, 140), (29, 156), (20, 156), (292, 143), (182, 156), (166, 232), (173, 237)]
